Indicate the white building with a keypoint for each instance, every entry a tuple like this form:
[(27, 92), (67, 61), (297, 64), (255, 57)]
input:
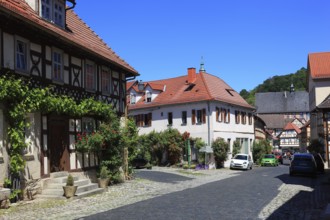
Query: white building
[(199, 103)]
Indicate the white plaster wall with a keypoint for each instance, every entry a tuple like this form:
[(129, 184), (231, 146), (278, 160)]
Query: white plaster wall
[(33, 4), (160, 120), (76, 61), (9, 53), (321, 92), (3, 152), (32, 169)]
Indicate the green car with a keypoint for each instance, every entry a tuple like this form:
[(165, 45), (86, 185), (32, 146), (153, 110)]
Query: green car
[(269, 160)]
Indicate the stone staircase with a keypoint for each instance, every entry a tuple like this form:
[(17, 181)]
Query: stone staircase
[(52, 187)]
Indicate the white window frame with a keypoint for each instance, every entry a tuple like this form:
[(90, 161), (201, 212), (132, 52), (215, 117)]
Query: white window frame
[(57, 65), (90, 76), (148, 96), (23, 54), (53, 11), (132, 98)]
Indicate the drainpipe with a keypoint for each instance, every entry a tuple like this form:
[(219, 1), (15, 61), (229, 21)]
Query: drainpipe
[(208, 124)]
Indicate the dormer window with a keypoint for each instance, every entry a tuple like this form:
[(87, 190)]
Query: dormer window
[(148, 95), (53, 11), (133, 98)]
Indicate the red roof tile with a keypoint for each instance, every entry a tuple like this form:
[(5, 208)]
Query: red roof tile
[(206, 87), (291, 126), (77, 32), (319, 65)]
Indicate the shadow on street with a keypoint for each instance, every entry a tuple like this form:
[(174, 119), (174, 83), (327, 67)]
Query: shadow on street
[(161, 176)]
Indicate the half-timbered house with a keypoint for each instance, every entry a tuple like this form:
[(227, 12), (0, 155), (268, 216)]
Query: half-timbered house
[(46, 42)]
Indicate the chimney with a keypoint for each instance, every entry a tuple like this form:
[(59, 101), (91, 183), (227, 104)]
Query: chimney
[(191, 75)]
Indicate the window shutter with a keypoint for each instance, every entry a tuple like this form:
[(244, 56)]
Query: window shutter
[(217, 114), (204, 116), (193, 118), (228, 114)]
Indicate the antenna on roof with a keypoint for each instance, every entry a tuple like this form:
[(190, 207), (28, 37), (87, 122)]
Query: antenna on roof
[(202, 69)]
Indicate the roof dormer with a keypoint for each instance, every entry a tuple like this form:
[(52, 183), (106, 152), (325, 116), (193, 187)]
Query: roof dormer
[(54, 11)]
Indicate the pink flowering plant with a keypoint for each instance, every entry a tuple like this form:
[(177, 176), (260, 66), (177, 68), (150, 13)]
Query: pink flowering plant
[(82, 143), (93, 142)]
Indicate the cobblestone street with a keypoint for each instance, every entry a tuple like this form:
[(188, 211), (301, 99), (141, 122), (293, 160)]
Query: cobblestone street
[(140, 189)]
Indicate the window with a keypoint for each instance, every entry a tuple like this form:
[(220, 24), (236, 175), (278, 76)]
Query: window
[(133, 98), (170, 118), (243, 116), (201, 116), (53, 11), (148, 95), (57, 66), (193, 116), (237, 117), (184, 117), (105, 81), (90, 76), (250, 118), (21, 55), (59, 13), (143, 120), (217, 115), (88, 125)]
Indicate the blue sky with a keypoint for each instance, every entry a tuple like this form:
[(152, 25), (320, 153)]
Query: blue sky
[(243, 42)]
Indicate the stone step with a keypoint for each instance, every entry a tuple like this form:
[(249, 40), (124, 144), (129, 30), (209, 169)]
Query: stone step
[(90, 192), (59, 174), (53, 186), (78, 183)]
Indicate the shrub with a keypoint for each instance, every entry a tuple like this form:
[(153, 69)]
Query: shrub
[(104, 172), (220, 150), (70, 180)]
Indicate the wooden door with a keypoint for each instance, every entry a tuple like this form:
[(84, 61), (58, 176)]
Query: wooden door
[(59, 144)]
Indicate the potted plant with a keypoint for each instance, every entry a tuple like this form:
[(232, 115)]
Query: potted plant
[(69, 189), (104, 177)]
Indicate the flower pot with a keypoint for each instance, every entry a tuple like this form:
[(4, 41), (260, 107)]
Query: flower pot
[(69, 191), (103, 183)]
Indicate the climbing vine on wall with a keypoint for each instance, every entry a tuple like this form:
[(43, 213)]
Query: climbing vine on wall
[(19, 99)]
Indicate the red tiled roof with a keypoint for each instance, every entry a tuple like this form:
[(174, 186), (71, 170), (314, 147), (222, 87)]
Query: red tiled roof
[(319, 65), (291, 126), (206, 87), (77, 32), (156, 86)]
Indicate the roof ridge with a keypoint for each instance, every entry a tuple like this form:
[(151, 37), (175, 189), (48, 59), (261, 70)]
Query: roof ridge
[(206, 85)]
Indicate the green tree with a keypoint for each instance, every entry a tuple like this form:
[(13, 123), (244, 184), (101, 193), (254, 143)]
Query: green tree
[(236, 147), (259, 148), (174, 144), (220, 150)]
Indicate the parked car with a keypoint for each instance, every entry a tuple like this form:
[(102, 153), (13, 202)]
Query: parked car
[(303, 163), (319, 162), (241, 161), (279, 158), (269, 160)]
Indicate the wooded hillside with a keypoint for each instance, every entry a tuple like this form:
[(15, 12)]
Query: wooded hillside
[(278, 84)]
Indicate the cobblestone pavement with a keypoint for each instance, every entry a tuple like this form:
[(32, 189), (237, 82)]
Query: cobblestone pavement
[(140, 189)]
